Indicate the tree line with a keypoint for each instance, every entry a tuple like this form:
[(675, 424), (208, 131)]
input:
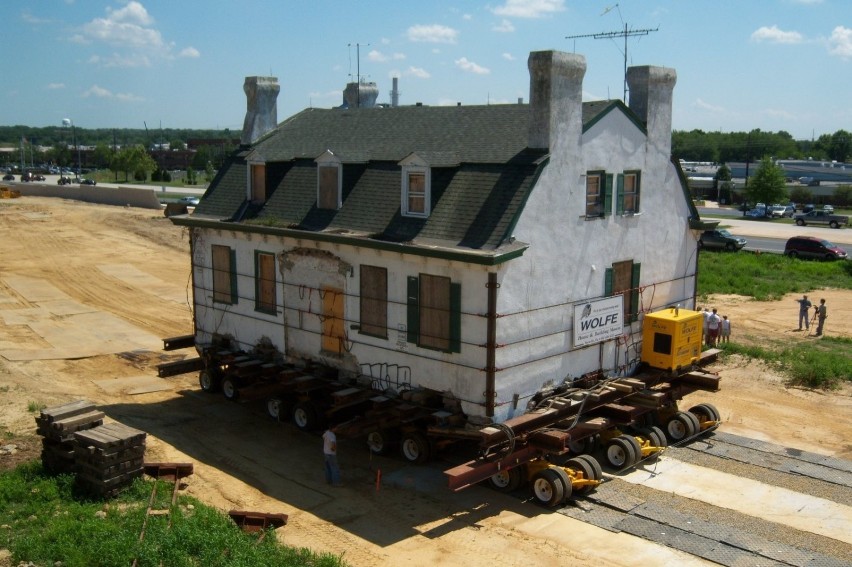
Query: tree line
[(727, 147)]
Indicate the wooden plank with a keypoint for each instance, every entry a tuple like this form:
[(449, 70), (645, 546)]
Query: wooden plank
[(78, 422), (124, 432), (70, 409)]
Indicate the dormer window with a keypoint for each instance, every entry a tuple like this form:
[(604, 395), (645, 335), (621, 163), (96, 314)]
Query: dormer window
[(416, 187), (257, 183), (329, 181)]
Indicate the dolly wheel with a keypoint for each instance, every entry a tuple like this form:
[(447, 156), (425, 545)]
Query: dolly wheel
[(619, 452), (705, 412), (415, 448), (507, 480), (305, 416), (548, 488), (379, 442), (209, 381), (584, 466), (637, 447), (230, 390), (681, 426)]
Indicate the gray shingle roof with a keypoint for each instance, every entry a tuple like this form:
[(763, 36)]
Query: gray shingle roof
[(481, 173)]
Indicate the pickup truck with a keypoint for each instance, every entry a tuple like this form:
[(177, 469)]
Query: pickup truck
[(821, 217)]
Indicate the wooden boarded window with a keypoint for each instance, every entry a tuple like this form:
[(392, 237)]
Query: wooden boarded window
[(435, 312), (224, 274), (594, 194), (623, 278), (258, 182), (374, 301), (329, 187), (628, 192), (417, 193), (333, 333), (265, 282)]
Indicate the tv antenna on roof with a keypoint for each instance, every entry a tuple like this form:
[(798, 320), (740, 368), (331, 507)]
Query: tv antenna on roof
[(358, 67), (625, 33)]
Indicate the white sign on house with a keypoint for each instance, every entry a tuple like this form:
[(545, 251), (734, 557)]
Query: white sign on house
[(598, 321)]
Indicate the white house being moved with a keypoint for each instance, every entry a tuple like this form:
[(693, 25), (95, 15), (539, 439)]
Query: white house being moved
[(484, 252)]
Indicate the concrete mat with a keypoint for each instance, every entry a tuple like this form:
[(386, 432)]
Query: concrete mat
[(133, 385)]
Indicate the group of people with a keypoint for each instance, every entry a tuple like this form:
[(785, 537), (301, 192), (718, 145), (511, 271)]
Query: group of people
[(717, 329), (820, 314)]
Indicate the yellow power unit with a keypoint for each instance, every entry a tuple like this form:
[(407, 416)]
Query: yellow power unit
[(671, 338)]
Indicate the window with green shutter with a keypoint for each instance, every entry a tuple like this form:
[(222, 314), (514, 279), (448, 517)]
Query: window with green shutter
[(627, 193), (264, 282), (434, 313), (623, 278), (224, 274)]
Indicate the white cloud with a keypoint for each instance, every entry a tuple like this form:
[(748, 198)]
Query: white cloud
[(435, 33), (467, 17), (707, 106), (840, 42), (775, 35), (30, 19), (377, 56), (398, 56), (55, 86), (783, 114), (418, 72), (508, 57), (465, 65), (529, 8), (132, 12), (100, 92), (125, 61), (504, 27), (190, 52)]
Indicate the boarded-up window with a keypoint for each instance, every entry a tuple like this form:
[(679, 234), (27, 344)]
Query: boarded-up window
[(417, 193), (628, 193), (265, 282), (594, 195), (224, 274), (333, 333), (623, 278), (374, 301), (435, 312), (258, 182), (329, 187)]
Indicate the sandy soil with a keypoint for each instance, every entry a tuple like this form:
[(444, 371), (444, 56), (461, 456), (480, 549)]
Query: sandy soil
[(71, 272)]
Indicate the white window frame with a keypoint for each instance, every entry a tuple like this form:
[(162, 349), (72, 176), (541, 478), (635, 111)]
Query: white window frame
[(414, 164), (328, 159)]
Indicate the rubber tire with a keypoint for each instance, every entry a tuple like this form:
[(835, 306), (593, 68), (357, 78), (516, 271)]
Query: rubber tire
[(680, 426), (637, 447), (834, 224), (619, 453), (584, 446), (547, 488), (793, 254), (209, 381), (588, 470), (415, 448), (507, 480), (567, 487), (800, 222), (273, 408), (730, 246), (709, 411), (230, 388), (379, 442), (305, 417), (660, 440)]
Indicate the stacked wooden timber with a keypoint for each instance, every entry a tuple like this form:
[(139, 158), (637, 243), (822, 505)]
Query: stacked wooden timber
[(57, 426), (108, 458)]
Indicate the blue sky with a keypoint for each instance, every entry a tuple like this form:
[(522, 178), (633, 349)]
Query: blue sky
[(768, 64)]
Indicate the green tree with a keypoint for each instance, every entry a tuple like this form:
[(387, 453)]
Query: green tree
[(843, 195), (102, 155), (767, 185), (135, 160), (801, 195)]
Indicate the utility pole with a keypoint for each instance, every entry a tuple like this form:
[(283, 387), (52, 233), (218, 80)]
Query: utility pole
[(625, 33)]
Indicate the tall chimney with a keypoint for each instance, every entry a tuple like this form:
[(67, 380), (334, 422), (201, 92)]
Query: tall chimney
[(651, 91), (261, 108), (556, 97), (395, 93)]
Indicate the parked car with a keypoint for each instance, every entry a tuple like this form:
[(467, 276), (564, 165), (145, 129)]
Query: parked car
[(778, 211), (189, 200), (815, 248), (88, 181), (756, 213), (722, 239), (8, 177), (821, 217), (808, 208)]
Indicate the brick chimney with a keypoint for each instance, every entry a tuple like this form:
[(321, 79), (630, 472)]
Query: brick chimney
[(261, 108), (651, 99), (556, 98)]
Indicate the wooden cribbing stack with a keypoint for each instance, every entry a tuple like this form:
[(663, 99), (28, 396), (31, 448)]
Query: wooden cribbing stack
[(57, 426), (108, 458)]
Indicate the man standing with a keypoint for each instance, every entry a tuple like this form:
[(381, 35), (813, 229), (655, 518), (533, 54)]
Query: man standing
[(714, 323), (821, 313), (726, 330), (329, 449), (804, 309)]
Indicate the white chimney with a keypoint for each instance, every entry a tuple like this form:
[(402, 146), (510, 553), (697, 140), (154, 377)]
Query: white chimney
[(651, 91), (556, 98), (261, 108)]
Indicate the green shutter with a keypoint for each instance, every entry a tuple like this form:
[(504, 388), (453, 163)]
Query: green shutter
[(638, 191), (234, 294), (413, 309), (455, 317), (634, 293), (608, 275), (607, 195), (619, 195)]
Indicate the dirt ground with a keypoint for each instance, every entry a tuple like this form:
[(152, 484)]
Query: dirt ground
[(87, 292)]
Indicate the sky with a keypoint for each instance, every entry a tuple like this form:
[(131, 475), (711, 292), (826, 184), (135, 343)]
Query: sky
[(768, 64)]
